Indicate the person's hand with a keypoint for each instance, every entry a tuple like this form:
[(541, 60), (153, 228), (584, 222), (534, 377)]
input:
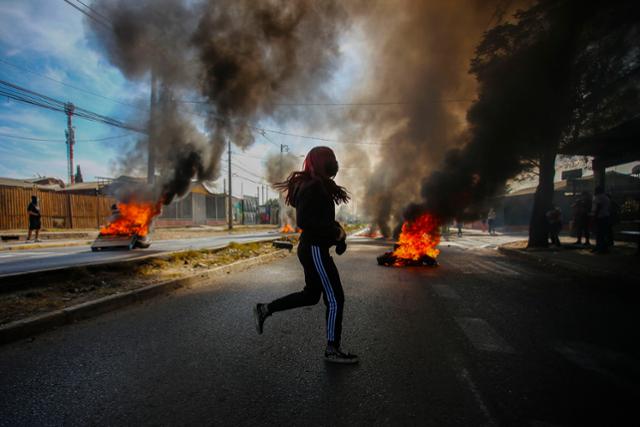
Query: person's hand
[(341, 247)]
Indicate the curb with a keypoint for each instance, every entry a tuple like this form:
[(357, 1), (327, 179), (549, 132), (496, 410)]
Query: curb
[(17, 280), (33, 325), (27, 246)]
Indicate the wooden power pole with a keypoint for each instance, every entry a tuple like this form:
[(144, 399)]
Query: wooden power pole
[(230, 200)]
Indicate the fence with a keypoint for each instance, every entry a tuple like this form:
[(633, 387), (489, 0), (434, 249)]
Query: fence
[(59, 210)]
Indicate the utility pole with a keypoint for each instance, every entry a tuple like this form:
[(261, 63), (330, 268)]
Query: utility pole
[(71, 139), (230, 208), (264, 201), (283, 149), (151, 151)]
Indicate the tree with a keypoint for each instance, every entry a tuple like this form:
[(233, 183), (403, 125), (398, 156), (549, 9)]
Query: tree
[(534, 76), (78, 177)]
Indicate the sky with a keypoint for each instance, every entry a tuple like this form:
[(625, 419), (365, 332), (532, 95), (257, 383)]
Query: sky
[(44, 47)]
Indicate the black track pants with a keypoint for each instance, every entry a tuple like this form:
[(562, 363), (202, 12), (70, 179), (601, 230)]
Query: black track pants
[(321, 277)]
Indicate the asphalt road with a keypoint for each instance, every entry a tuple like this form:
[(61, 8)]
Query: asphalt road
[(480, 340), (28, 261)]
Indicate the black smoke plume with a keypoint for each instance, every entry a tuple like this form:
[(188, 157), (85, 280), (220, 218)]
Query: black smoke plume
[(240, 57), (420, 53)]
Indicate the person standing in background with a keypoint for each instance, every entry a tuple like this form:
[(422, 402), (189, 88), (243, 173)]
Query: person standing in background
[(554, 220), (601, 206), (34, 218), (491, 220), (581, 210)]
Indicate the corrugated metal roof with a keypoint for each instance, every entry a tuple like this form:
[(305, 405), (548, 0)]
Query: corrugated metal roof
[(91, 185), (23, 183)]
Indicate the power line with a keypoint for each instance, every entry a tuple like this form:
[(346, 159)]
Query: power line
[(247, 155), (280, 132), (261, 131), (248, 171), (27, 96), (270, 140), (31, 97), (62, 140), (248, 179), (44, 76), (105, 23), (339, 104), (94, 11)]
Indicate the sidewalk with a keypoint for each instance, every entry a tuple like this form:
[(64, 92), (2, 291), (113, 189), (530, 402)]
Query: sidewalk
[(621, 262)]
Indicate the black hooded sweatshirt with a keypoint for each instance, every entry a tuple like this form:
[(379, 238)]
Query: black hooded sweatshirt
[(315, 215)]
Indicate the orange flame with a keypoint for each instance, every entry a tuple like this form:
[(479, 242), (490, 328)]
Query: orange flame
[(133, 218), (372, 233), (287, 228), (418, 238)]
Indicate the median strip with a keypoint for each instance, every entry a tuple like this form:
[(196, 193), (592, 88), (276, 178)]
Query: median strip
[(89, 292)]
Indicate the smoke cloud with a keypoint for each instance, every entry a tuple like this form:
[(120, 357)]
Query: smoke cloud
[(420, 60), (242, 57), (278, 167)]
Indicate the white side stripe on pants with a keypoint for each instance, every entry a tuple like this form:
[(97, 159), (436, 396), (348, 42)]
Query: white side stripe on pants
[(324, 278)]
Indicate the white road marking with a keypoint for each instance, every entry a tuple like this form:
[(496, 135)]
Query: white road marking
[(482, 336), (506, 267), (538, 423), (445, 291), (463, 375), (484, 267)]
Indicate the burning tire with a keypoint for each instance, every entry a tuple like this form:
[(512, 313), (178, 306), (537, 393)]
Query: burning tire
[(416, 244), (388, 259)]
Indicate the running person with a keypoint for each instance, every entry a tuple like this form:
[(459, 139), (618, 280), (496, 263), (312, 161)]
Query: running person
[(314, 194)]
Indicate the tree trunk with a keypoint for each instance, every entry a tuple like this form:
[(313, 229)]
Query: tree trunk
[(542, 202)]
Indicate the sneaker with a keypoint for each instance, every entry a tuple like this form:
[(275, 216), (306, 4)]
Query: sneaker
[(260, 314), (333, 355)]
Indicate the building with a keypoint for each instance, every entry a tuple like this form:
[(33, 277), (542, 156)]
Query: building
[(40, 183), (514, 209), (201, 206), (90, 188), (87, 204)]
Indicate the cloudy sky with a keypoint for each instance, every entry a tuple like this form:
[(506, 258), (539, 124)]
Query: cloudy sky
[(44, 47)]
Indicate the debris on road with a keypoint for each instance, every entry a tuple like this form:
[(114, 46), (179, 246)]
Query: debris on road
[(283, 244)]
